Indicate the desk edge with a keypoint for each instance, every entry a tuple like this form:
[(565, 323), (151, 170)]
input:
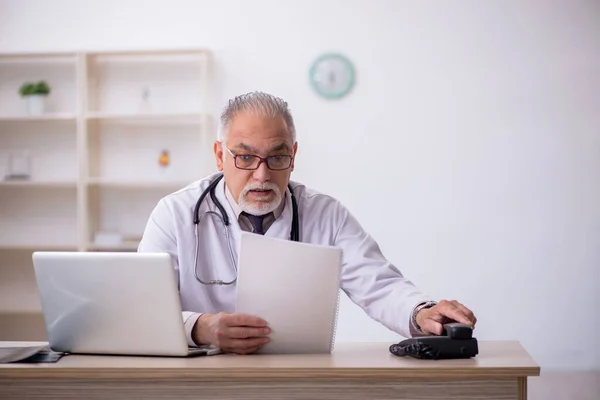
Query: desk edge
[(256, 374)]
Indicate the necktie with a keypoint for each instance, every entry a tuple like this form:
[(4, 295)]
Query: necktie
[(257, 222)]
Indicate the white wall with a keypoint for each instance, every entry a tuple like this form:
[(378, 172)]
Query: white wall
[(470, 147)]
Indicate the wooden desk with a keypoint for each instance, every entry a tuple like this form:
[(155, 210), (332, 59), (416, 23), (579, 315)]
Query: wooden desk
[(353, 371)]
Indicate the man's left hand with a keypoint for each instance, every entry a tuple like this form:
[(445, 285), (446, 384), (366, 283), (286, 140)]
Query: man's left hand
[(431, 320)]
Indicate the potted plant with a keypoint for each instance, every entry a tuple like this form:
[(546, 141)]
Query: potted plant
[(35, 93)]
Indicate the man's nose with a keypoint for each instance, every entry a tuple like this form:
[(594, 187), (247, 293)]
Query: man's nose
[(262, 173)]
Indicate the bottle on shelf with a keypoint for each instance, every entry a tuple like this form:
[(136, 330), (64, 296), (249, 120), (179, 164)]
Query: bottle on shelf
[(145, 105), (164, 161)]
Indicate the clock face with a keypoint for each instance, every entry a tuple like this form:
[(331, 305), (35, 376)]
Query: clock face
[(332, 76)]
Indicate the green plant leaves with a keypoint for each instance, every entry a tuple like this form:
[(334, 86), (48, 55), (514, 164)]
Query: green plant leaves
[(31, 88)]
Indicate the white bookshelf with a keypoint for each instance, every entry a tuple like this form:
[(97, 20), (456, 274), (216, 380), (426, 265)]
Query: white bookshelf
[(94, 152)]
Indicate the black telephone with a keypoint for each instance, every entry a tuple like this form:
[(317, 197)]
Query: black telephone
[(456, 341)]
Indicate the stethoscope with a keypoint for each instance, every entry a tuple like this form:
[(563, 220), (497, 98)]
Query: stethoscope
[(210, 190)]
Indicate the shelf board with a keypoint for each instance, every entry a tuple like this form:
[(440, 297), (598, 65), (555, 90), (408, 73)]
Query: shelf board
[(144, 117), (38, 118), (150, 51), (5, 312), (34, 247), (171, 56), (137, 184), (39, 184), (125, 246), (37, 58)]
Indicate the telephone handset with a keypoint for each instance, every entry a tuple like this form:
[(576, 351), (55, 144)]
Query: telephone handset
[(456, 341)]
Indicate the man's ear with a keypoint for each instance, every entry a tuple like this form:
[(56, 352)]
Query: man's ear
[(218, 150), (294, 160)]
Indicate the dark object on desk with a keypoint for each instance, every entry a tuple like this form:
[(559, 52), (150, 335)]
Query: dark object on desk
[(43, 356), (456, 341)]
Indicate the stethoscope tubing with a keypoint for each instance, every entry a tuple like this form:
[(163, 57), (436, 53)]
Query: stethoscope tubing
[(210, 190)]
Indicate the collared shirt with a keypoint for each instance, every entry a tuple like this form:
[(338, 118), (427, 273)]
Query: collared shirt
[(244, 221)]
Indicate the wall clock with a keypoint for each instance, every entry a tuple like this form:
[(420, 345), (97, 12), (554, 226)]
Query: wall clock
[(332, 76)]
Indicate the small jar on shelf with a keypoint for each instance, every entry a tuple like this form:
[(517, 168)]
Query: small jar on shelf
[(18, 166)]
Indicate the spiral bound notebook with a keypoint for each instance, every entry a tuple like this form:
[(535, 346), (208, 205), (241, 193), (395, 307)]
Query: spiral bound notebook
[(295, 287)]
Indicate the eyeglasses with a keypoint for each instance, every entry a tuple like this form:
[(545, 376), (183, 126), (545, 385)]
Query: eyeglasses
[(251, 162)]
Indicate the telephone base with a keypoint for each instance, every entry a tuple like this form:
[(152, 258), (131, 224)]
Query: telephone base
[(436, 348)]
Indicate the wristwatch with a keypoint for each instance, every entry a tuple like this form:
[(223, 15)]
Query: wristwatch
[(419, 307)]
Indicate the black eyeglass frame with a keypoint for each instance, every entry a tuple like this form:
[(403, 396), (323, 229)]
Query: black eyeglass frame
[(260, 160)]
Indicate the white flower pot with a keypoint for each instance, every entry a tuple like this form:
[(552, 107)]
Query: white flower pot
[(36, 104)]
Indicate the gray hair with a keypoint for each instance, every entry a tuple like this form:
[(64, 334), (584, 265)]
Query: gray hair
[(257, 103)]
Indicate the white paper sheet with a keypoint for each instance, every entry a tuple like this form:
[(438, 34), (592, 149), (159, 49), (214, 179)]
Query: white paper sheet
[(294, 287), (17, 351)]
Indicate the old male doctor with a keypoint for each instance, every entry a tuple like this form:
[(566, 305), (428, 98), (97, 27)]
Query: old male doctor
[(255, 157)]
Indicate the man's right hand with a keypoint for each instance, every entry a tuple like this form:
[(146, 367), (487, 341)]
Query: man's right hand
[(232, 333)]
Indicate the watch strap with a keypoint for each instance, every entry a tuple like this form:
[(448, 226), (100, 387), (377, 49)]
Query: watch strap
[(419, 307)]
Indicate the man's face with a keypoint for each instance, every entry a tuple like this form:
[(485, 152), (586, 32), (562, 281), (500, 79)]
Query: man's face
[(257, 191)]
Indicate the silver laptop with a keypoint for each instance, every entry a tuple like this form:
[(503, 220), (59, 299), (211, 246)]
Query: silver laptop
[(112, 303)]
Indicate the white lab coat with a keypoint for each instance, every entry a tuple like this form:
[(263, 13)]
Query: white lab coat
[(367, 278)]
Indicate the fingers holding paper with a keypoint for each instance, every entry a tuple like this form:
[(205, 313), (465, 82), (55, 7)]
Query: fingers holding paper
[(232, 333)]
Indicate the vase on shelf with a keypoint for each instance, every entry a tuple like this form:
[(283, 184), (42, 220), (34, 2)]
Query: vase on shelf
[(36, 104), (35, 94)]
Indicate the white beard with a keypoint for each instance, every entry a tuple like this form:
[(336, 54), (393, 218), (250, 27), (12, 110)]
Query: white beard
[(261, 207)]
